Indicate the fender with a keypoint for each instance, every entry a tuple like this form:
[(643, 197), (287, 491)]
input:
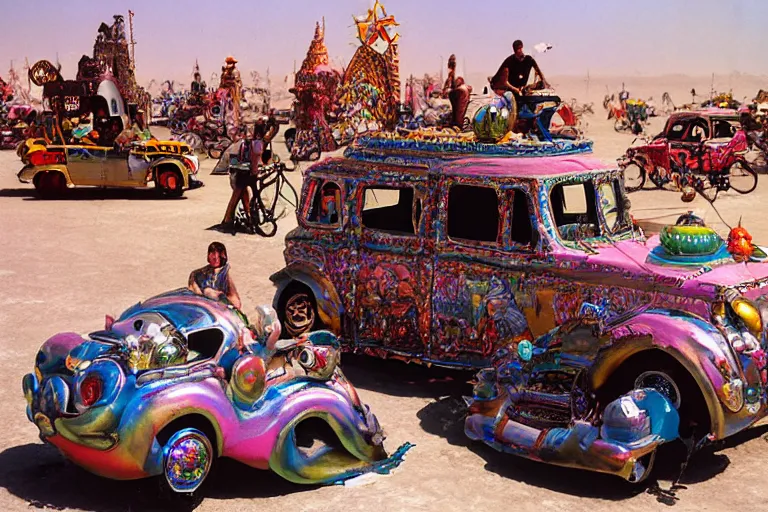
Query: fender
[(350, 426), (151, 410), (131, 450), (174, 162), (329, 304), (28, 172), (695, 344)]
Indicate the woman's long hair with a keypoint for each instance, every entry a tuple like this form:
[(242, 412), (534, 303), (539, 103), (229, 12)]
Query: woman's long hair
[(219, 248)]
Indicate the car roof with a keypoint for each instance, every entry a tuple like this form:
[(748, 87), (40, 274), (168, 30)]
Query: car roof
[(707, 112), (525, 167), (533, 167)]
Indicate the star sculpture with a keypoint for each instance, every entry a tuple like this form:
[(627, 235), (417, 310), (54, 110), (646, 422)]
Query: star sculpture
[(373, 26)]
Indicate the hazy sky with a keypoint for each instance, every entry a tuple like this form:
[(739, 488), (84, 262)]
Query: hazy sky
[(616, 37)]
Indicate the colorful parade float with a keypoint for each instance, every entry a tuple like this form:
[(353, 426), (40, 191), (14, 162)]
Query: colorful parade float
[(315, 89), (19, 111), (93, 130), (366, 107)]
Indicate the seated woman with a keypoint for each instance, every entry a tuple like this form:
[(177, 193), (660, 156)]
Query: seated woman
[(213, 280)]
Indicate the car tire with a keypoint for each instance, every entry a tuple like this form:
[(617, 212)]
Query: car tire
[(662, 373), (169, 182), (187, 461), (50, 184), (297, 311)]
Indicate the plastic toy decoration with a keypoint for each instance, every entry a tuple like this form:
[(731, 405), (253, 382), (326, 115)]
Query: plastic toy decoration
[(179, 380)]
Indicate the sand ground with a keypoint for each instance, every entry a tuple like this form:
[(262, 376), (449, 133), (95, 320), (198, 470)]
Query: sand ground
[(67, 263)]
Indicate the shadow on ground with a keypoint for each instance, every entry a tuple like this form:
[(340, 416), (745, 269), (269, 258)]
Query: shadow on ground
[(397, 378), (94, 193), (445, 418), (39, 475)]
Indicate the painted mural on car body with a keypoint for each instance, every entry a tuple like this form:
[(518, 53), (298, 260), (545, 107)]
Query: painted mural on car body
[(472, 255)]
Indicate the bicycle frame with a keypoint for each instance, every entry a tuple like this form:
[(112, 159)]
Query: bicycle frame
[(262, 218)]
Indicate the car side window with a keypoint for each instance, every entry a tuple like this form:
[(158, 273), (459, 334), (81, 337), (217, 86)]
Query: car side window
[(395, 210), (575, 210), (473, 213), (325, 205), (723, 130), (521, 219), (699, 131), (677, 130)]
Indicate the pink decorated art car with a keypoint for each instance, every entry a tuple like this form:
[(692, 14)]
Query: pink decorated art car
[(447, 260)]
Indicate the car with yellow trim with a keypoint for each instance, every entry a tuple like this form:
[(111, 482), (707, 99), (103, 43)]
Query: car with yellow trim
[(170, 166)]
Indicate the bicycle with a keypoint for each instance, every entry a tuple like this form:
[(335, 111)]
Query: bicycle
[(712, 165), (267, 187), (739, 177)]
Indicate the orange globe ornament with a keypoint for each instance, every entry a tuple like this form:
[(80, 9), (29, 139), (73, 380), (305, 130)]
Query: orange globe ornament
[(740, 243)]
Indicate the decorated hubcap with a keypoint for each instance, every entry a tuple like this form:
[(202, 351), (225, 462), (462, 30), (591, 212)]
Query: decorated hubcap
[(662, 383), (299, 314), (187, 459)]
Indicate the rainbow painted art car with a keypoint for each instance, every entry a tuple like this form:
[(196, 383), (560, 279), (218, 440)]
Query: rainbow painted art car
[(179, 380), (476, 261)]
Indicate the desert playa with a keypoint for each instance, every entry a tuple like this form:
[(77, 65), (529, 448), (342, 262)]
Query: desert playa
[(70, 260)]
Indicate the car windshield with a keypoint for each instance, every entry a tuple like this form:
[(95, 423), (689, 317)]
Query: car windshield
[(593, 209)]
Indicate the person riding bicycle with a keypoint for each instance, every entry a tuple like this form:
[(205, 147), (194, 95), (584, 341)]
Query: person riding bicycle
[(251, 152)]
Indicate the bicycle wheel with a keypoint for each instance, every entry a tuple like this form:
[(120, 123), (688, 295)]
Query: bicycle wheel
[(263, 205), (742, 177), (634, 177)]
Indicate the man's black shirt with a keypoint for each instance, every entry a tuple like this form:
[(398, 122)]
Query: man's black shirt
[(519, 71)]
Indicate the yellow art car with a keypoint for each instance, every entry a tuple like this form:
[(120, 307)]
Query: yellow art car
[(169, 166)]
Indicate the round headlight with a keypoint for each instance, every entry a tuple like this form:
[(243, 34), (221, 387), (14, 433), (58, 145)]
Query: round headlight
[(749, 314)]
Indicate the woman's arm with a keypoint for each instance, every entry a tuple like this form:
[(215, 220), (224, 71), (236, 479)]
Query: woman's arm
[(271, 133), (232, 295), (192, 285)]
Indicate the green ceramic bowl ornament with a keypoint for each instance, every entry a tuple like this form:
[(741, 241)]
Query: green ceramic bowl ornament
[(690, 240)]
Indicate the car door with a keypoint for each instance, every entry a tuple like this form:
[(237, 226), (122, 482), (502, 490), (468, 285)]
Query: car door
[(85, 164), (116, 170), (327, 247), (394, 279), (695, 130), (485, 247)]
